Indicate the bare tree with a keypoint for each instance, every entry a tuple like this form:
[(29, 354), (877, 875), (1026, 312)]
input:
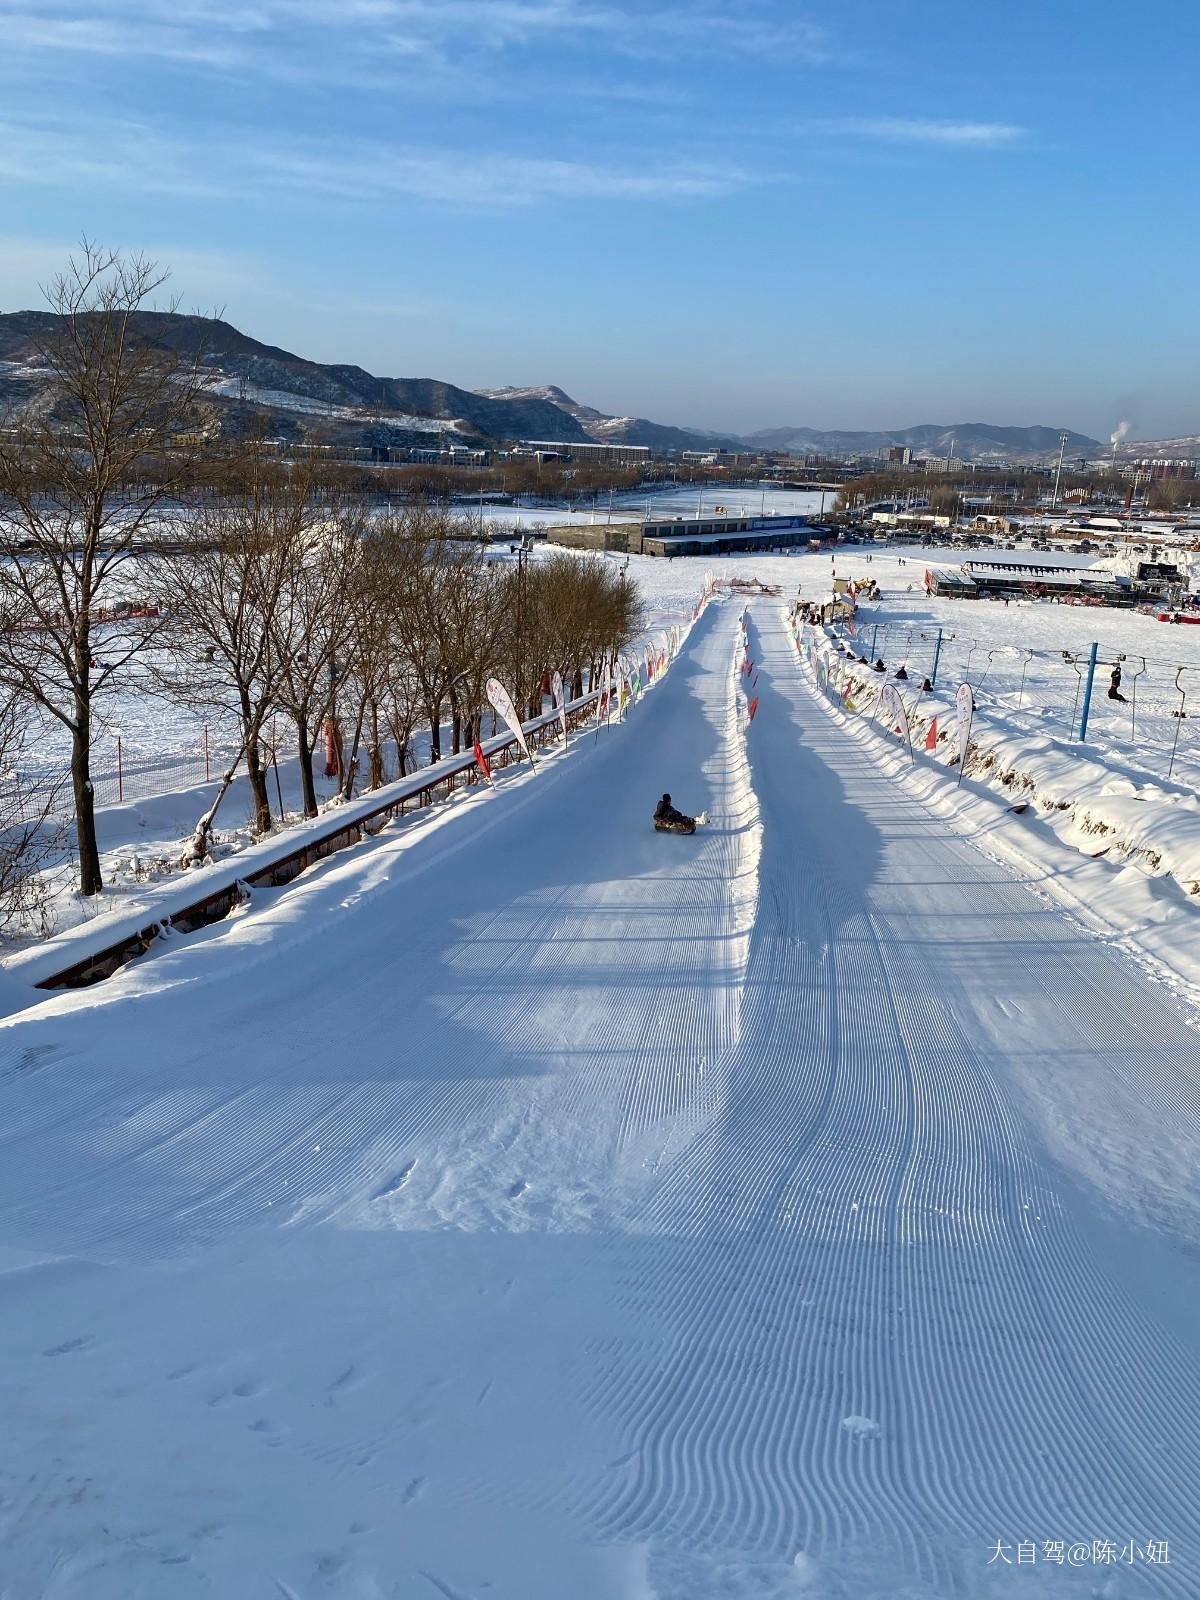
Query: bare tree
[(373, 579), (30, 836), (311, 631), (225, 576), (75, 503)]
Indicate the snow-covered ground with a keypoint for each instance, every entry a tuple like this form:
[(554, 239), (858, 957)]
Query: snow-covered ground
[(529, 1205), (1013, 655), (289, 400)]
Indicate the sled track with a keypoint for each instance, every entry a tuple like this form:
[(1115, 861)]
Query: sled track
[(795, 1175)]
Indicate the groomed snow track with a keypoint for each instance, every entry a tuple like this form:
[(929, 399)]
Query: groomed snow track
[(540, 1207)]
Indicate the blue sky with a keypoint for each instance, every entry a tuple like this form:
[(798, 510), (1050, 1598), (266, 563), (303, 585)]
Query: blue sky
[(864, 214)]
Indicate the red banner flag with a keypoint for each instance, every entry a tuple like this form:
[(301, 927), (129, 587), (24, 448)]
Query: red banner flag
[(481, 761), (753, 707), (931, 736)]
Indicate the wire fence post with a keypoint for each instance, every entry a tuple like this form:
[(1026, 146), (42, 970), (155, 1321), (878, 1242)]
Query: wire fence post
[(1179, 716), (120, 772), (937, 656), (1024, 670), (1087, 692), (207, 772)]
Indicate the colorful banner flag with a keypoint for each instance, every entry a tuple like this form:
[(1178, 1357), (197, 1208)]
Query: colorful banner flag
[(931, 735), (502, 702), (753, 707), (894, 714), (556, 690), (481, 761)]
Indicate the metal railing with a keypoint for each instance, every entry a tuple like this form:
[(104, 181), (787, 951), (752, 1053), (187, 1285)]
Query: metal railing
[(347, 825)]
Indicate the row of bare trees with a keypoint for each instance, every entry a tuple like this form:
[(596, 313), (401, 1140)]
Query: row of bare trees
[(278, 594), (287, 599)]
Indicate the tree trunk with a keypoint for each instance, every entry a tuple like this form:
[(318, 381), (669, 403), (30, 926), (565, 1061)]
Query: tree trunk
[(435, 734), (376, 752), (455, 725), (90, 879), (258, 788), (351, 772), (308, 788)]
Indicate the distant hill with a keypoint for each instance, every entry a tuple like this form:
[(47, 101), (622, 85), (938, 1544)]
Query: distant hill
[(302, 394), (301, 398), (1185, 448), (971, 441), (605, 429)]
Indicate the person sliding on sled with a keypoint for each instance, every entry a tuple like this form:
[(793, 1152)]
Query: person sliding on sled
[(666, 818)]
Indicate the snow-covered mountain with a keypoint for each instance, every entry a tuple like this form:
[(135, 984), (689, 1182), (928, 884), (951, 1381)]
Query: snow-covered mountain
[(606, 429), (299, 395), (969, 441), (347, 402), (1184, 448)]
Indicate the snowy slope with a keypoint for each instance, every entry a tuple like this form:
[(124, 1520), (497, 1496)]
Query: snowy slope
[(532, 1206)]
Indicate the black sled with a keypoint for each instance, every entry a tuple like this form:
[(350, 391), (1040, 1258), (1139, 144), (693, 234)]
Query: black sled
[(663, 825)]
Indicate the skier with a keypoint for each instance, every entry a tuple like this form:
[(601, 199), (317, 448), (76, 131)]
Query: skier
[(1114, 683), (668, 820)]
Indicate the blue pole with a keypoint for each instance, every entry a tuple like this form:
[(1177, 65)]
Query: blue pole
[(937, 656), (1087, 694), (874, 637)]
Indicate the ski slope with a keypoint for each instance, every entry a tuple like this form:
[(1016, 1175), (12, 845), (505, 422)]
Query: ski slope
[(531, 1206)]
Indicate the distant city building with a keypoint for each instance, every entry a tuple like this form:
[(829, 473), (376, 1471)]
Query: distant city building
[(901, 454), (625, 455), (1159, 467), (685, 536)]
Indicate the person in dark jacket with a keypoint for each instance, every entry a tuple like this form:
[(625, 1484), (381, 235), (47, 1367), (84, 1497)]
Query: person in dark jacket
[(664, 811)]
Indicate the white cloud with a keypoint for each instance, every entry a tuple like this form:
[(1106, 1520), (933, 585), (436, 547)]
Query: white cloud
[(131, 155), (923, 130), (320, 38)]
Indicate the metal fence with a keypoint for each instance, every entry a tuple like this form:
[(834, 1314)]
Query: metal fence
[(1148, 712), (120, 775)]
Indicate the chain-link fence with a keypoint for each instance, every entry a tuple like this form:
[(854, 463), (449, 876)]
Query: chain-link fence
[(1144, 708), (121, 776)]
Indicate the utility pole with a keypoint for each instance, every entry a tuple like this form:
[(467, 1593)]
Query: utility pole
[(1062, 450), (520, 625)]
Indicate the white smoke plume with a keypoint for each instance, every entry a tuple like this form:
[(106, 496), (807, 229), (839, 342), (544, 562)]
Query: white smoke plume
[(1122, 429)]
